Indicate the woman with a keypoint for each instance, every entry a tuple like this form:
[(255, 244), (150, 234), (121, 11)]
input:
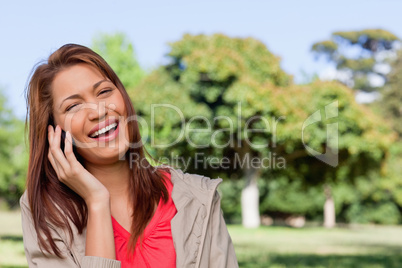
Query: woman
[(92, 198)]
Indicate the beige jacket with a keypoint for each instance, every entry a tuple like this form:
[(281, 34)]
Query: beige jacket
[(199, 231)]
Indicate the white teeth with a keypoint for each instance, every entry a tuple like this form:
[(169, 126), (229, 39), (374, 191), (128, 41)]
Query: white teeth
[(103, 130)]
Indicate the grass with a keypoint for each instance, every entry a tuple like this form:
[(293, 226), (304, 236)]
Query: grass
[(359, 246), (11, 246), (275, 247)]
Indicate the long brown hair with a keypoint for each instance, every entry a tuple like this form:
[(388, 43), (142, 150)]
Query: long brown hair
[(52, 201)]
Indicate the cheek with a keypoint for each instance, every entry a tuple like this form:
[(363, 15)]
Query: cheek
[(74, 123), (58, 119), (120, 105)]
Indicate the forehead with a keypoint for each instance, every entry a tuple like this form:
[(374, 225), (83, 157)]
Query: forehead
[(76, 79)]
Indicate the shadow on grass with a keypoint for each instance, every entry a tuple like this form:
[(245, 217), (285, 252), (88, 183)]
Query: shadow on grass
[(13, 238), (327, 261)]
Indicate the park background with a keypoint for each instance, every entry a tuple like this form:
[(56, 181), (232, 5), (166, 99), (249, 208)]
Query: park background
[(286, 58)]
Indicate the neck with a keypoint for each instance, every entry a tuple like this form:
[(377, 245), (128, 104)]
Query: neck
[(115, 177)]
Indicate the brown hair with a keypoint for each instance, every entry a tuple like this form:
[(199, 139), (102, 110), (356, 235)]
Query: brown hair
[(50, 200)]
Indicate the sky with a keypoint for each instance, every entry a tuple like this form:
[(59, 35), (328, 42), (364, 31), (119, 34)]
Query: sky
[(31, 30)]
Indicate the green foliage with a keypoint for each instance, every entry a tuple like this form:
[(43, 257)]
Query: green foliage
[(366, 36), (364, 65), (13, 156), (389, 189), (220, 57), (118, 51), (289, 196), (382, 213), (204, 80), (392, 96), (230, 191), (210, 77), (370, 42), (368, 200), (360, 130), (375, 197), (392, 182), (325, 47)]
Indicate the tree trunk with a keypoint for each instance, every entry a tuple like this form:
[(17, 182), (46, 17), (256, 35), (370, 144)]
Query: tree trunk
[(250, 199), (329, 208)]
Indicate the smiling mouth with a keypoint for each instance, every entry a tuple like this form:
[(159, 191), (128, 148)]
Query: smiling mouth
[(105, 132)]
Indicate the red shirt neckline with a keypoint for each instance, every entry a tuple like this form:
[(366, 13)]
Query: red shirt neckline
[(150, 227), (157, 238)]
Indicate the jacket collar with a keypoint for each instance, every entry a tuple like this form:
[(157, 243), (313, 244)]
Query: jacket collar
[(192, 185), (193, 197)]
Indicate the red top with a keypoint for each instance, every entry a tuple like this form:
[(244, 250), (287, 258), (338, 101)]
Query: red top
[(157, 247)]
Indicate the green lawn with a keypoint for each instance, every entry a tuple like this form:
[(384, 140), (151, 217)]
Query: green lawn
[(11, 245), (279, 247), (362, 246)]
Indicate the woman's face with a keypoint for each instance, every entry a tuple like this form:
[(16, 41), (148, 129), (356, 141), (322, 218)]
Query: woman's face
[(87, 104)]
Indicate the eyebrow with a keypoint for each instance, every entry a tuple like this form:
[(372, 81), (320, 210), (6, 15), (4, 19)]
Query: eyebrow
[(77, 96)]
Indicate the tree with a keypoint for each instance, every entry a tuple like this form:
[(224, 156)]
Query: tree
[(390, 108), (391, 102), (375, 55), (118, 51), (211, 77), (363, 139), (360, 57), (13, 156)]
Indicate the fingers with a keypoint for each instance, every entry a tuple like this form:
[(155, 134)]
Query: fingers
[(53, 162), (68, 149), (59, 159), (55, 165)]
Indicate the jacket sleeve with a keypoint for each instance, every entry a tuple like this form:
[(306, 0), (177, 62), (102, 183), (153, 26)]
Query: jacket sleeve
[(36, 258), (222, 249)]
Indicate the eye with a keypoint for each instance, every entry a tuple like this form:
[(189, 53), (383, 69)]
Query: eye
[(70, 107), (105, 91)]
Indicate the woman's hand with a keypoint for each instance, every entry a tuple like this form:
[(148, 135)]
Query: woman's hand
[(72, 173)]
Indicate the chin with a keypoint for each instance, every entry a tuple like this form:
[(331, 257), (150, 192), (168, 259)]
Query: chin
[(103, 155)]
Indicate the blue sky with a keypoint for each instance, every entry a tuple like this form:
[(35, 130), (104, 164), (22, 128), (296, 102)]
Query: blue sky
[(31, 30)]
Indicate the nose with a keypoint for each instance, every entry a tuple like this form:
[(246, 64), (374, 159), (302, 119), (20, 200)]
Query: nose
[(97, 111)]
